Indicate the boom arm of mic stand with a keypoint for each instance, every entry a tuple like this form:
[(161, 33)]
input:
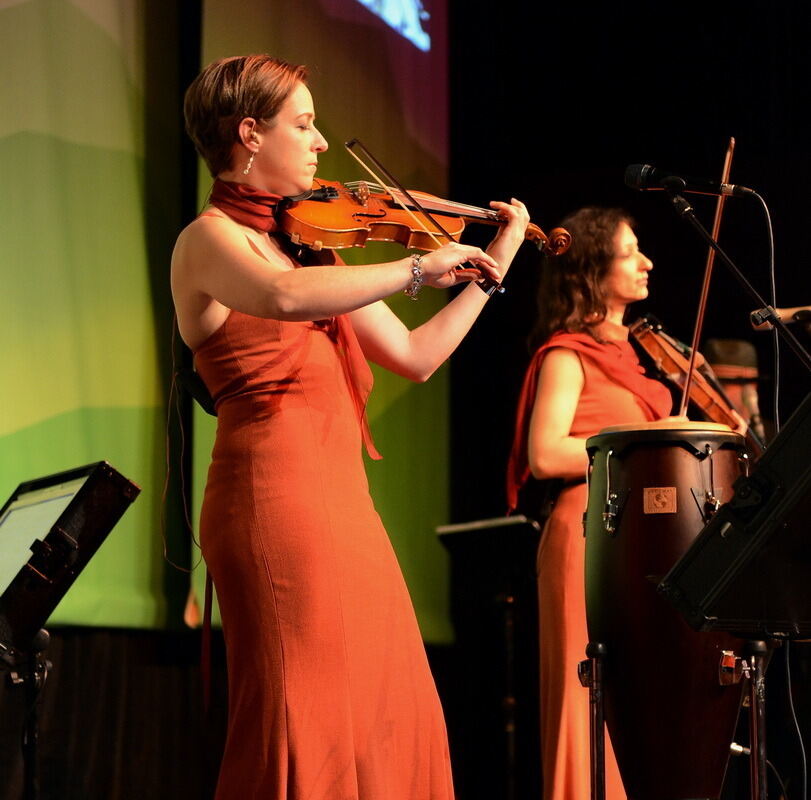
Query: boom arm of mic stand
[(685, 211)]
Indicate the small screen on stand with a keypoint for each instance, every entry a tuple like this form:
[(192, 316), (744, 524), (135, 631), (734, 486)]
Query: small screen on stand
[(29, 517)]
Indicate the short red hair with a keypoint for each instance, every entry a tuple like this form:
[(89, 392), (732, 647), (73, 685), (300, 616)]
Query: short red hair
[(229, 90)]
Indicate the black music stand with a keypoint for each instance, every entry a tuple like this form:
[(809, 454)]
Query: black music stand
[(494, 609), (49, 529), (749, 570)]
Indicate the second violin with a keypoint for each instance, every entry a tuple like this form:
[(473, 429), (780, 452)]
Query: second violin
[(672, 359)]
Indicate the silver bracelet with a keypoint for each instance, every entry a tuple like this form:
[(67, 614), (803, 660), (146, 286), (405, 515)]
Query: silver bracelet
[(413, 289)]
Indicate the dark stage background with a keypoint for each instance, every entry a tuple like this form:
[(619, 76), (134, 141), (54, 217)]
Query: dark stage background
[(549, 103), (552, 105)]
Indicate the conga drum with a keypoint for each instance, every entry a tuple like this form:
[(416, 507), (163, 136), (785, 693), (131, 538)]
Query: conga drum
[(651, 490)]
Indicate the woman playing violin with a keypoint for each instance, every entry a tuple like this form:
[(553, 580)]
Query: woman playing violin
[(330, 695), (584, 376)]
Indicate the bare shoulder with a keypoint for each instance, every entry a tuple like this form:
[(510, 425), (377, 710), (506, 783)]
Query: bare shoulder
[(212, 228), (198, 314), (562, 364), (219, 265), (560, 382), (213, 247), (187, 244), (561, 379)]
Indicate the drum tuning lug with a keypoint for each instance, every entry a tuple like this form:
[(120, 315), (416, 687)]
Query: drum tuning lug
[(736, 749), (707, 502), (731, 668), (711, 504), (584, 673), (610, 514), (747, 673)]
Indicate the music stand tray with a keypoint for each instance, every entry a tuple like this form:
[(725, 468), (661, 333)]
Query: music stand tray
[(749, 570), (49, 529)]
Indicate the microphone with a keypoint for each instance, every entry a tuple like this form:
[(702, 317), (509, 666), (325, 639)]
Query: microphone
[(647, 178), (787, 315)]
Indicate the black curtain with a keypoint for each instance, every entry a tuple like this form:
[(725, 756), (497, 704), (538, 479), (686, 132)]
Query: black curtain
[(120, 717), (550, 103)]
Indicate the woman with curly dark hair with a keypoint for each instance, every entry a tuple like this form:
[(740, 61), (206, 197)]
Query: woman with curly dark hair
[(584, 376)]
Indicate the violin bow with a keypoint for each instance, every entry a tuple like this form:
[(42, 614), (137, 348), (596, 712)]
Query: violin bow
[(487, 285), (705, 288)]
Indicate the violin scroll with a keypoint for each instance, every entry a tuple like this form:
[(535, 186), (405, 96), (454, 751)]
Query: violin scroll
[(559, 241)]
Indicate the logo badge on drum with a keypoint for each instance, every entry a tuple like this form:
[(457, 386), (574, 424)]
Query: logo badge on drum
[(659, 500)]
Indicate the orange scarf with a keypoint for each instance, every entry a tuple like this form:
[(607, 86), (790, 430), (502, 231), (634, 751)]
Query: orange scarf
[(628, 373)]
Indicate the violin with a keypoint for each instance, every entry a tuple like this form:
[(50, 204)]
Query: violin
[(672, 360), (336, 215)]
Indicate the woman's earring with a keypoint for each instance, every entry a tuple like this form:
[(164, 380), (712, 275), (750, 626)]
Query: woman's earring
[(250, 164)]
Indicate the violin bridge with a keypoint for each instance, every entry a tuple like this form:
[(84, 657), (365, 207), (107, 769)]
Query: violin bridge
[(361, 193)]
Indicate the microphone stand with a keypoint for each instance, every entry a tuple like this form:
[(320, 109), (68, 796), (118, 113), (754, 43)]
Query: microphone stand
[(28, 670), (765, 312)]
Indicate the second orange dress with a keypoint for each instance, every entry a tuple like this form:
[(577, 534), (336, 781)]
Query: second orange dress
[(614, 392)]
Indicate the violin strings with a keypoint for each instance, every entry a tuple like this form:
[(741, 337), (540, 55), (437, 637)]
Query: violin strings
[(443, 206), (456, 208), (399, 202)]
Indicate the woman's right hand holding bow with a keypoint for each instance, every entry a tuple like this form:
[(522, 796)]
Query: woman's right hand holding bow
[(445, 266)]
